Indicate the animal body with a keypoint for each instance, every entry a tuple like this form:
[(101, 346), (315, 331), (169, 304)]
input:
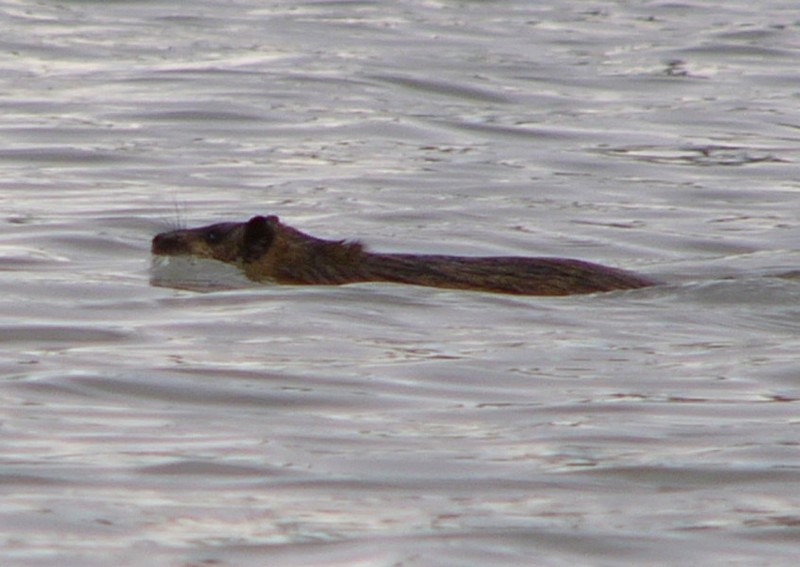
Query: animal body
[(269, 251)]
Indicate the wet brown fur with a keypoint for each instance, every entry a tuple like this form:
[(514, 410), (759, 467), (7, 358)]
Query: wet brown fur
[(269, 251)]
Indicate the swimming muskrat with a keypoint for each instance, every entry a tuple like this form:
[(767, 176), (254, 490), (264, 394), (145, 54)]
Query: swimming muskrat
[(269, 251)]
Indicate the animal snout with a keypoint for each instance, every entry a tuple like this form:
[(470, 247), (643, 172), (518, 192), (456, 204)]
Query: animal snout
[(165, 243)]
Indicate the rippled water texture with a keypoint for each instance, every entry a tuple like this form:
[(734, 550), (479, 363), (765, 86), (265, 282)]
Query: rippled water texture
[(394, 425)]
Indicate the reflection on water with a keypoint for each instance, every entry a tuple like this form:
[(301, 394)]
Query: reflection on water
[(195, 274), (695, 156), (388, 424)]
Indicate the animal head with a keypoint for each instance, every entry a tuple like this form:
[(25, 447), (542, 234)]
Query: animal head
[(231, 242)]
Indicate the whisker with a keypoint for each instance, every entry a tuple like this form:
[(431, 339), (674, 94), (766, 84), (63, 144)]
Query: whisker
[(180, 214), (175, 219)]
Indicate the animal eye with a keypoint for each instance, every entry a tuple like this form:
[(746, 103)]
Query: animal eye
[(213, 236)]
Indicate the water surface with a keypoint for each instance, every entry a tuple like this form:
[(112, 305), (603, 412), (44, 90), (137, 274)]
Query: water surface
[(379, 424)]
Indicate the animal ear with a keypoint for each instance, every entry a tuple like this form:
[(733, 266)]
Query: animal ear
[(258, 236)]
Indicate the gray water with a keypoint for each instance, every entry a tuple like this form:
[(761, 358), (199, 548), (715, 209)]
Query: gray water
[(393, 425)]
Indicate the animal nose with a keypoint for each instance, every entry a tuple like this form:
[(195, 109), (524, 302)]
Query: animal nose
[(163, 243)]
